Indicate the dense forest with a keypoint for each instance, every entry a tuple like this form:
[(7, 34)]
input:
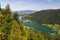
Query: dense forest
[(50, 16), (12, 29)]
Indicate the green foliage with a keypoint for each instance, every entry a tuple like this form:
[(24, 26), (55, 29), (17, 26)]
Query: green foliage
[(16, 16), (45, 17), (12, 29)]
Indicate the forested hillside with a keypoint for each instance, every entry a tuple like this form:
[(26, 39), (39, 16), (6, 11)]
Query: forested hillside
[(12, 29), (46, 16)]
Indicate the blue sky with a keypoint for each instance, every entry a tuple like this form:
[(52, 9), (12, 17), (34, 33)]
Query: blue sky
[(17, 5)]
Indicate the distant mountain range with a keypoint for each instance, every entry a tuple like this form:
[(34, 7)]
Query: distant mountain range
[(25, 12)]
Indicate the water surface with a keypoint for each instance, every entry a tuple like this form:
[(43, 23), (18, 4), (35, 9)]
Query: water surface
[(39, 27)]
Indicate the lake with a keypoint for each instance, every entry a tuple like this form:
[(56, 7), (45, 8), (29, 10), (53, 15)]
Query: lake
[(39, 27)]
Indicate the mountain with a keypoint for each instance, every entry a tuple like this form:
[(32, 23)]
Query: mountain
[(50, 16), (13, 29), (25, 12)]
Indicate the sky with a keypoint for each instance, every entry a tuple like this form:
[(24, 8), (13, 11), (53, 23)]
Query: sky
[(18, 5)]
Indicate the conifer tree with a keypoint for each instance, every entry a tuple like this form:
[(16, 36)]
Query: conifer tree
[(0, 7), (8, 18), (16, 16), (8, 11)]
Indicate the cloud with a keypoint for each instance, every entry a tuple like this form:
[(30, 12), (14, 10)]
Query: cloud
[(3, 3), (50, 0)]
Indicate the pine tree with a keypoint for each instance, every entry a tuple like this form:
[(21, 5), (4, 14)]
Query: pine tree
[(16, 16), (0, 7), (8, 11), (8, 19)]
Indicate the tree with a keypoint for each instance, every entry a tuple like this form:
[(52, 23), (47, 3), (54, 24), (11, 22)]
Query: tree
[(8, 22), (0, 6), (16, 16), (8, 10)]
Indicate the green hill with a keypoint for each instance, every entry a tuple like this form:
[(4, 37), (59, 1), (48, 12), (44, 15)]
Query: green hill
[(50, 16), (12, 29)]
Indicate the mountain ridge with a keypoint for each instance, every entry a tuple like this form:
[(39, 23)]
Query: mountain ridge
[(45, 16), (24, 12)]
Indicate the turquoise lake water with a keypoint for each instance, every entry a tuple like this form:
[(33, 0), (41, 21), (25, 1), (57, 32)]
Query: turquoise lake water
[(39, 27)]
